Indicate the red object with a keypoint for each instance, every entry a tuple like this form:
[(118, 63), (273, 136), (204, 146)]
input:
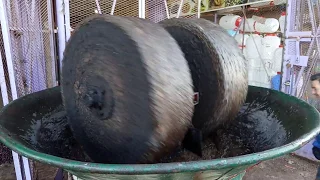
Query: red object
[(271, 3), (271, 34), (256, 32), (238, 22), (254, 26), (279, 73), (283, 13)]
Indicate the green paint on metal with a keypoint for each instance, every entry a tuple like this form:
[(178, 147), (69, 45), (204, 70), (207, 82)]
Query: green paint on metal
[(13, 121)]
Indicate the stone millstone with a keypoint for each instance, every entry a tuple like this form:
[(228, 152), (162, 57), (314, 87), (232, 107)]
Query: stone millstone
[(219, 70), (127, 89)]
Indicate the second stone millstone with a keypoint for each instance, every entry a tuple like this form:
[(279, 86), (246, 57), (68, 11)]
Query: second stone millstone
[(127, 89), (219, 70)]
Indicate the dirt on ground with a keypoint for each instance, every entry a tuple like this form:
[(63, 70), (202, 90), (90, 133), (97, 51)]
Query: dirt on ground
[(283, 168), (5, 155), (7, 172)]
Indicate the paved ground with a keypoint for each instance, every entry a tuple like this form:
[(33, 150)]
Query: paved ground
[(284, 168)]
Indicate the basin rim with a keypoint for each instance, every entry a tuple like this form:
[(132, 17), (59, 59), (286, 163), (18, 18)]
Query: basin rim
[(163, 168)]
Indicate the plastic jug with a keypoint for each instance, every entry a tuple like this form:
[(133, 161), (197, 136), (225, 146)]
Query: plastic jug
[(241, 38), (231, 22), (275, 82), (258, 77), (282, 21), (277, 59), (249, 25), (253, 46), (271, 25), (270, 43)]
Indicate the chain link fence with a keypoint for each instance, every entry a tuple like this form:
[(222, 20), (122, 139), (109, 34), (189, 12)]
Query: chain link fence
[(155, 10), (32, 44), (31, 51), (307, 19), (5, 67), (81, 9)]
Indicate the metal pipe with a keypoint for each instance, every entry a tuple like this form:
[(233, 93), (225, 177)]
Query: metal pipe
[(7, 47), (67, 19), (180, 9), (3, 85), (113, 7), (199, 9), (52, 44), (26, 167), (61, 29), (142, 9), (167, 10), (98, 6)]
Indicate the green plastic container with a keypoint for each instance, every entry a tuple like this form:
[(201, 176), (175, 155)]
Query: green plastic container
[(19, 123)]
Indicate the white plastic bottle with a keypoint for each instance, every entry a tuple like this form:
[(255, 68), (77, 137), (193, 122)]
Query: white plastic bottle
[(271, 25), (230, 22), (260, 28), (270, 43), (253, 49), (258, 77), (249, 25), (282, 21), (241, 38), (277, 59)]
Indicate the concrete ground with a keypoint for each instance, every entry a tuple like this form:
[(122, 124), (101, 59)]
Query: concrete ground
[(283, 168)]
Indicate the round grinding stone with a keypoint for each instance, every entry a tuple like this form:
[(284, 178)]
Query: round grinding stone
[(219, 70), (127, 89)]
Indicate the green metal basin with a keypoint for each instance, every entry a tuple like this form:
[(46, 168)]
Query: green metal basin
[(272, 122)]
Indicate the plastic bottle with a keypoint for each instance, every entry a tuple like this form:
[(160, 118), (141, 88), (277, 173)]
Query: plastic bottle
[(275, 82), (240, 38), (270, 43), (249, 25), (231, 22), (282, 21), (259, 27), (253, 46), (258, 77), (271, 25), (277, 59)]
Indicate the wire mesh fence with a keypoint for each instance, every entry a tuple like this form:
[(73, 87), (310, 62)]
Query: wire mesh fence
[(32, 44), (300, 18), (155, 10), (81, 9), (5, 67)]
